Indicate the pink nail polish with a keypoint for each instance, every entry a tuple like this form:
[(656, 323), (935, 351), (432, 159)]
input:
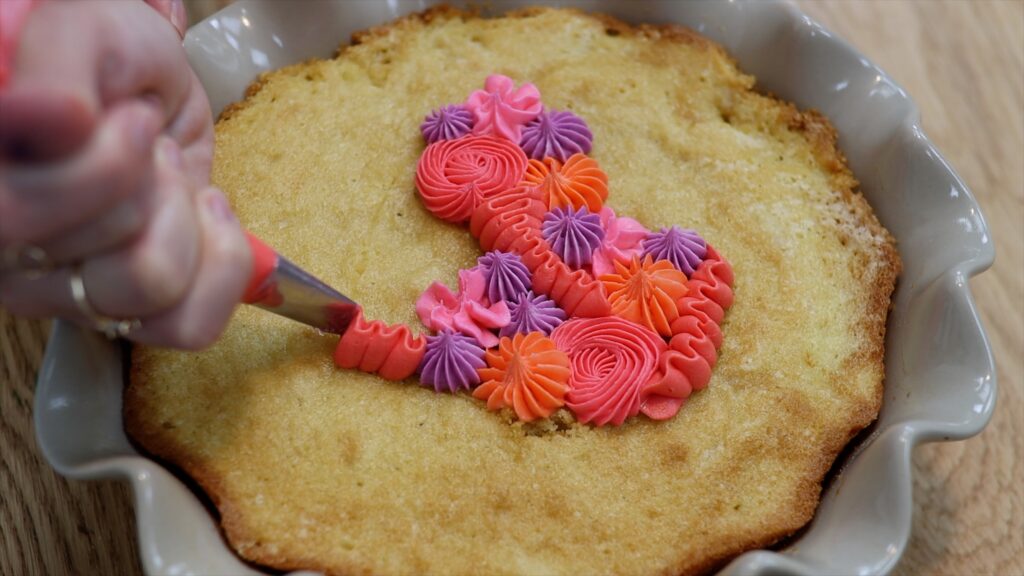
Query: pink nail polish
[(219, 207)]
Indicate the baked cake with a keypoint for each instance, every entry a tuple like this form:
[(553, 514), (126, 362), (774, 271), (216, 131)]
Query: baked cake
[(315, 465)]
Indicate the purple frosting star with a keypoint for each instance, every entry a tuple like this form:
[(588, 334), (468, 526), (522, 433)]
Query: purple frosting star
[(558, 134), (684, 248), (573, 235), (447, 123), (533, 313), (450, 362), (506, 275)]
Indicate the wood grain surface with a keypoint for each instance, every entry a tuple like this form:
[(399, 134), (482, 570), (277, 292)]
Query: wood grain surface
[(963, 62)]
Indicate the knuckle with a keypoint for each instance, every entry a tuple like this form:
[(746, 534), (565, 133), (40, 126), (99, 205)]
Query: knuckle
[(116, 172), (232, 247), (126, 220), (195, 335), (161, 278)]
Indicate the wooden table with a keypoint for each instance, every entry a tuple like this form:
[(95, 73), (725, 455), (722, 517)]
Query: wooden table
[(964, 64)]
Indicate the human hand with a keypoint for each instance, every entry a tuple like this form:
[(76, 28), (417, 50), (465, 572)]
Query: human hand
[(105, 149)]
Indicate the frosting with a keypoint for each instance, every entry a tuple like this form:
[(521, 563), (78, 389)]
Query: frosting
[(505, 274), (502, 109), (453, 176), (450, 362), (577, 292), (573, 235), (447, 123), (558, 134), (611, 361), (392, 352), (570, 305), (532, 313), (467, 312), (511, 222), (646, 292), (578, 183), (622, 240), (526, 373), (682, 247), (686, 366)]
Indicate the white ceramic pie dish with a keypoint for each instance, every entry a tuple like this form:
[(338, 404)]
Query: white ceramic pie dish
[(940, 379)]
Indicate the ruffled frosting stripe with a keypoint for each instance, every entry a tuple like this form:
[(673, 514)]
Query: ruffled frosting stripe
[(390, 351), (696, 336)]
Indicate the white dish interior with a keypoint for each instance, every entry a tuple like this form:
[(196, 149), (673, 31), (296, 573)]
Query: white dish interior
[(940, 379)]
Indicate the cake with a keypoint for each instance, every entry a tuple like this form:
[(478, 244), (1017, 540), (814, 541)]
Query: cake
[(312, 466)]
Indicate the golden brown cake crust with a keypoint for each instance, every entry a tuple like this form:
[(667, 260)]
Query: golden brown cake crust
[(875, 266)]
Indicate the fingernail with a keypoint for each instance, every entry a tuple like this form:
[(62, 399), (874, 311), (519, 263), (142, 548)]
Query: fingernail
[(218, 205), (179, 19), (169, 154)]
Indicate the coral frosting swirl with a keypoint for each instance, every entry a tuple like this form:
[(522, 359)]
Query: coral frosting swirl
[(502, 109), (682, 247), (447, 123), (526, 373), (453, 176), (450, 362), (579, 182), (612, 360), (558, 134)]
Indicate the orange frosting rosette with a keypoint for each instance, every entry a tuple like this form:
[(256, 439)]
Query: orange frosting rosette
[(646, 292), (454, 176), (579, 182), (612, 361), (526, 373)]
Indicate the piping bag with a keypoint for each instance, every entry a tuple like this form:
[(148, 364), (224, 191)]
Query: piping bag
[(279, 286)]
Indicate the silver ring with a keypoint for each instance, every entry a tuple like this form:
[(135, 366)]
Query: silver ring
[(26, 259), (111, 327)]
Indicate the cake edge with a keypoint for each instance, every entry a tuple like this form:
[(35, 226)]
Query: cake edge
[(811, 124)]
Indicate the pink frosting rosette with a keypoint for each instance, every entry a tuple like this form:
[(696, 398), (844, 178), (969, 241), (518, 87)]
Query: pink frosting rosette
[(502, 109), (468, 312), (623, 238)]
